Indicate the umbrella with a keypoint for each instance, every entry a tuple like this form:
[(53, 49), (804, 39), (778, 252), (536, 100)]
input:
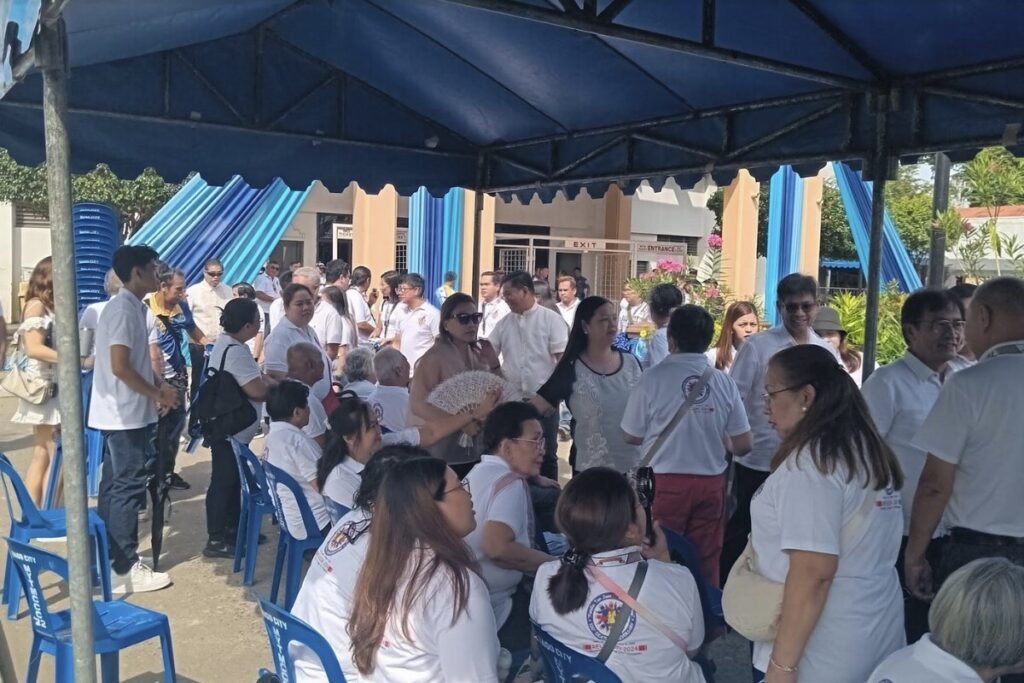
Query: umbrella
[(159, 495)]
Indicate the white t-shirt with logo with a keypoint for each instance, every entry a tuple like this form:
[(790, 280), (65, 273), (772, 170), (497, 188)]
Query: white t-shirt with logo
[(240, 364), (695, 446), (418, 330), (498, 497), (975, 425), (643, 653), (331, 327), (390, 406), (290, 449), (359, 310), (923, 662), (113, 406), (799, 508), (343, 481)]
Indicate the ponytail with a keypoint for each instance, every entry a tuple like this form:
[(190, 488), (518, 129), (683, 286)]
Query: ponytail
[(568, 588), (334, 454), (350, 418)]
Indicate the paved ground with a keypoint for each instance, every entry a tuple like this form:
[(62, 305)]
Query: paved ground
[(216, 629)]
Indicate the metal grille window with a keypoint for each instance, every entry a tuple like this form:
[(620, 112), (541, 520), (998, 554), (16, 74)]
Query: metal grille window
[(402, 250), (512, 259)]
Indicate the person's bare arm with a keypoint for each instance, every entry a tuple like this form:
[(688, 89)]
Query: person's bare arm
[(156, 361), (256, 389), (34, 343), (263, 296), (437, 428), (365, 326), (197, 336), (808, 582), (930, 500), (741, 444), (121, 367), (500, 546), (632, 440)]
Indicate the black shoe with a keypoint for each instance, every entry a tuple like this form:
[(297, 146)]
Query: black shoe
[(219, 550), (176, 482)]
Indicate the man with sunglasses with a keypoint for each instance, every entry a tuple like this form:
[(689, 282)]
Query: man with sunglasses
[(206, 298), (901, 394), (797, 297)]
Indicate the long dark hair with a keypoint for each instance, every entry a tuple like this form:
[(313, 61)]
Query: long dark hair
[(350, 418), (594, 512), (837, 427), (406, 521), (339, 300), (393, 278), (725, 346), (850, 357), (577, 343), (40, 284)]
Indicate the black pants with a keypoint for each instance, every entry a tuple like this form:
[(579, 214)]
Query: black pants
[(915, 612), (197, 354), (515, 633), (223, 497), (737, 530), (549, 468)]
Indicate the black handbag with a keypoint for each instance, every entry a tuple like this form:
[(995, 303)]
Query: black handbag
[(221, 407)]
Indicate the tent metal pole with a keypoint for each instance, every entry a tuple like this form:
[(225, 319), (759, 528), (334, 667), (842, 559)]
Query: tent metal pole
[(880, 164), (52, 60), (940, 201), (478, 214)]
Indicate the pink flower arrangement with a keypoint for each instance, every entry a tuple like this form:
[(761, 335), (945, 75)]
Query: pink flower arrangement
[(667, 265), (712, 293), (714, 241)]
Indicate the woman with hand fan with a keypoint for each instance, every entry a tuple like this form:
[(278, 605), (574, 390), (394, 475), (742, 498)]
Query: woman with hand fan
[(468, 367)]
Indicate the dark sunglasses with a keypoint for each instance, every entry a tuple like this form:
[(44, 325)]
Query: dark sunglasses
[(806, 307), (215, 273), (467, 318)]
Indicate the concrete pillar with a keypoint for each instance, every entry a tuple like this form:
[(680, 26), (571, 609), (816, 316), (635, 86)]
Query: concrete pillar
[(374, 224), (9, 278), (486, 246), (810, 247), (739, 235), (614, 269)]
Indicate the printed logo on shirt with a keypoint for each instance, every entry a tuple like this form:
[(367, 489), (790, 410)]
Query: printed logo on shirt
[(891, 500), (690, 382), (602, 614), (347, 533)]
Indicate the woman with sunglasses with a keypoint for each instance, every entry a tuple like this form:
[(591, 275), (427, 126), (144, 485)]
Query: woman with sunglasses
[(594, 380), (827, 525), (420, 611), (457, 349)]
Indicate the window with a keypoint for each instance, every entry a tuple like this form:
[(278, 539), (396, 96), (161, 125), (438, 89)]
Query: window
[(402, 248)]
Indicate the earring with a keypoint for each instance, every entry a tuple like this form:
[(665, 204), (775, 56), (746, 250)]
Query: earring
[(803, 409)]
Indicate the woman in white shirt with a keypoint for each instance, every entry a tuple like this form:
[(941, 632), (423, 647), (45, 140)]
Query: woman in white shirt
[(389, 311), (355, 436), (827, 524), (420, 611), (662, 300), (976, 622), (572, 601), (740, 322), (342, 339), (294, 328)]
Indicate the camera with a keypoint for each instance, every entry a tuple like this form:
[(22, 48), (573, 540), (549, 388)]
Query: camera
[(645, 492)]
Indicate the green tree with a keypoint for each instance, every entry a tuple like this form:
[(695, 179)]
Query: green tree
[(908, 200), (836, 238), (136, 199), (994, 179)]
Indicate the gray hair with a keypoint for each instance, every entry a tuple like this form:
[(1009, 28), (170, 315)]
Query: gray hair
[(1003, 295), (978, 614), (300, 353), (112, 283), (390, 365), (309, 275), (359, 365)]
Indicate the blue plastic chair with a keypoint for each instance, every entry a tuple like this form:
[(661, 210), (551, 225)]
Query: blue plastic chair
[(283, 629), (565, 665), (34, 523), (335, 509), (290, 549), (116, 624), (255, 504)]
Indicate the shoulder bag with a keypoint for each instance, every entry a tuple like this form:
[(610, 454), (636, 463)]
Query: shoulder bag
[(221, 407), (752, 603), (35, 390)]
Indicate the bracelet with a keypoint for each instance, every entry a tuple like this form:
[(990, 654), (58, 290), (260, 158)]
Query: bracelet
[(784, 669)]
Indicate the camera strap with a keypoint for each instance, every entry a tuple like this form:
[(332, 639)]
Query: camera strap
[(691, 397), (623, 614)]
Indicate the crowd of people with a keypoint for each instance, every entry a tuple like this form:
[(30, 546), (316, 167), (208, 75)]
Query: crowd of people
[(865, 517)]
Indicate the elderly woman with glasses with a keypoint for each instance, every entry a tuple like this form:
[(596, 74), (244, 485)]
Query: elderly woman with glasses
[(457, 349)]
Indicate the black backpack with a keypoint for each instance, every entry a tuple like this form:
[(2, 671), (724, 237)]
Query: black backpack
[(221, 407)]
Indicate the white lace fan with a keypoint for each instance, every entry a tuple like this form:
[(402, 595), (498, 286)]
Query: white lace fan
[(464, 392)]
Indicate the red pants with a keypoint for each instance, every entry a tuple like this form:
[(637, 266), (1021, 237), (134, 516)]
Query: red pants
[(694, 505)]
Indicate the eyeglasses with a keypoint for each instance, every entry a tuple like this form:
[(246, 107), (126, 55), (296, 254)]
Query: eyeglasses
[(945, 325), (767, 396), (215, 273), (404, 288), (806, 307), (469, 318), (464, 485), (539, 443)]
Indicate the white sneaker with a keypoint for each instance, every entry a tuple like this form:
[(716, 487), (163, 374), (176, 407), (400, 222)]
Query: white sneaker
[(141, 579)]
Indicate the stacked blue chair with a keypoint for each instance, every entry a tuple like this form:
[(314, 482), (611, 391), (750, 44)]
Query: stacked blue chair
[(283, 629), (34, 523), (565, 665), (256, 503), (116, 624), (97, 229), (290, 548)]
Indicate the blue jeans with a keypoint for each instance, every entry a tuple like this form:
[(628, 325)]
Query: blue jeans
[(128, 459)]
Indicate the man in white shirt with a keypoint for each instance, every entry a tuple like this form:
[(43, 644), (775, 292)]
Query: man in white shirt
[(127, 398), (289, 448), (901, 394), (492, 305), (268, 289), (503, 539), (390, 400), (567, 302), (797, 304), (633, 309), (421, 325), (358, 306), (690, 466), (974, 474), (206, 298), (531, 340), (306, 365)]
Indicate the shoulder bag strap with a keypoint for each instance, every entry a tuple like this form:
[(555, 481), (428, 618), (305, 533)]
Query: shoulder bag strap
[(627, 609), (691, 398)]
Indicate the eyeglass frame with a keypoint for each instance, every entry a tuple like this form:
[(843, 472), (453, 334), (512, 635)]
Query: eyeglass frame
[(539, 443), (955, 326), (219, 273), (464, 485), (768, 395), (471, 318)]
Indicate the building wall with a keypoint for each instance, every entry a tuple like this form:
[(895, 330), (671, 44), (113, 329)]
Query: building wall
[(21, 248)]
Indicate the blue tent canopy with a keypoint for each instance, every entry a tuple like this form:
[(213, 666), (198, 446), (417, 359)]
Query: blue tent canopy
[(523, 96)]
